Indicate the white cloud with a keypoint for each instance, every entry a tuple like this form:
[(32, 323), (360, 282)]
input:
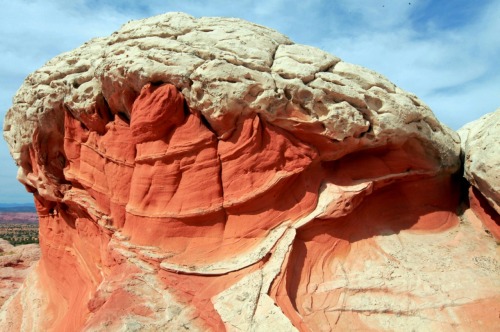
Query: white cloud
[(378, 15), (424, 64), (32, 33), (442, 67)]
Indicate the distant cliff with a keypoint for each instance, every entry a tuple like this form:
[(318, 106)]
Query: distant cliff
[(6, 208)]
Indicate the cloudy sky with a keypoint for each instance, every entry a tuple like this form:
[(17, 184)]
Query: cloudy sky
[(444, 51)]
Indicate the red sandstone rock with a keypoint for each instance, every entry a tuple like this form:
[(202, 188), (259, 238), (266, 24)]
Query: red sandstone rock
[(209, 174), (488, 216)]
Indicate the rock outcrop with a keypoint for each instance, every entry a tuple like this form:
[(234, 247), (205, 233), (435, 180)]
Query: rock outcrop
[(15, 263), (481, 153), (210, 174)]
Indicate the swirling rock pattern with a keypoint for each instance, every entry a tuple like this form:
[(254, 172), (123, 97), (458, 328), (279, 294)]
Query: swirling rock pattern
[(210, 174)]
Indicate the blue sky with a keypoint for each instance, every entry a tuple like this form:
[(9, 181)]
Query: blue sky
[(444, 51)]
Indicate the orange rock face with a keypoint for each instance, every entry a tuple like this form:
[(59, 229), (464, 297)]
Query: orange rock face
[(217, 205)]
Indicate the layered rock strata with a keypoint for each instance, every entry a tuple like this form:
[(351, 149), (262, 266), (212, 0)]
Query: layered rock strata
[(210, 174), (481, 153)]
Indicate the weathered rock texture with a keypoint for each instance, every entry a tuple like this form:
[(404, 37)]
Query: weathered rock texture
[(481, 151), (15, 263), (210, 174)]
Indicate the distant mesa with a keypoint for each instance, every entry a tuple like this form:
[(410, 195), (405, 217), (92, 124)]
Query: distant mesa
[(210, 174), (17, 208)]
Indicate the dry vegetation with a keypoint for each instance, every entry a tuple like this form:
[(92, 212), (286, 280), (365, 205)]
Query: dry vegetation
[(19, 227), (18, 234)]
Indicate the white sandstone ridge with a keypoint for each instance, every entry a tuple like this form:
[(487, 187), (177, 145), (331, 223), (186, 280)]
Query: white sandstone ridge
[(481, 149), (225, 68)]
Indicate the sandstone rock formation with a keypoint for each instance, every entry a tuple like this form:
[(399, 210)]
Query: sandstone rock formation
[(482, 168), (15, 263), (210, 174)]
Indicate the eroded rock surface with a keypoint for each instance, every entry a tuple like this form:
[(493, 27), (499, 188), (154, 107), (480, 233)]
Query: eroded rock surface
[(481, 152), (210, 174), (15, 263)]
